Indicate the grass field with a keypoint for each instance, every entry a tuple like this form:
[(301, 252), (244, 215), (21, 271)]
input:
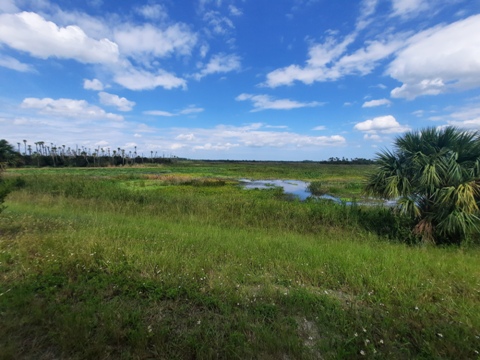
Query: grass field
[(179, 262)]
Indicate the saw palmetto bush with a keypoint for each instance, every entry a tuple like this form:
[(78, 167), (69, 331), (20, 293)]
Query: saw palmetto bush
[(434, 174)]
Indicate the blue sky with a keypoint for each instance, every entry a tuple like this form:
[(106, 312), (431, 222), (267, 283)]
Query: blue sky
[(237, 79)]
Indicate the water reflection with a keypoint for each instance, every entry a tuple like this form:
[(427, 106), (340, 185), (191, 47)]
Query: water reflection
[(294, 187), (299, 189)]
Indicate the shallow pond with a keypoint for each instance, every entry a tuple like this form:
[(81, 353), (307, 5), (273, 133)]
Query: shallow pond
[(299, 189)]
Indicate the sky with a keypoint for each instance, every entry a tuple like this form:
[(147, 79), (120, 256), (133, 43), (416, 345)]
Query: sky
[(237, 79)]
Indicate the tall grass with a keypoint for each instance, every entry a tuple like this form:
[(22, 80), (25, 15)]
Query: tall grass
[(105, 267)]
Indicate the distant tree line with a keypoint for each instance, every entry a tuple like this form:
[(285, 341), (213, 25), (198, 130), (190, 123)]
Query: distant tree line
[(40, 154), (343, 160)]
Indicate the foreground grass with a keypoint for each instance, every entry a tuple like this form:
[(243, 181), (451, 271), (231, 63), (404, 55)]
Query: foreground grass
[(96, 268)]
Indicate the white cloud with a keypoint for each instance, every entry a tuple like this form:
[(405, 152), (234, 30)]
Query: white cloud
[(466, 118), (153, 12), (235, 11), (191, 110), (368, 8), (14, 64), (254, 135), (79, 109), (372, 137), (94, 84), (217, 22), (138, 79), (219, 63), (215, 147), (329, 61), (187, 111), (204, 50), (438, 60), (383, 124), (319, 128), (374, 103), (148, 39), (120, 103), (159, 113), (31, 33), (404, 8), (266, 102), (187, 137)]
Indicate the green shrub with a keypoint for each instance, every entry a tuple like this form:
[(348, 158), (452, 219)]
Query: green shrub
[(4, 188)]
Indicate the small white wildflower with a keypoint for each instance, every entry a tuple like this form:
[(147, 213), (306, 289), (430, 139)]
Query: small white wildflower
[(362, 352), (381, 341), (440, 335), (199, 322)]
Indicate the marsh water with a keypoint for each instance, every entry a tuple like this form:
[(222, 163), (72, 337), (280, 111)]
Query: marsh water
[(300, 190)]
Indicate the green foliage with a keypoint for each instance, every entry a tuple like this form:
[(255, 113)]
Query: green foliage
[(8, 155), (4, 188), (131, 263), (435, 176)]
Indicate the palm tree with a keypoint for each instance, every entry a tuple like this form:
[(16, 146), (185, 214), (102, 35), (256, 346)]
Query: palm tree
[(435, 176)]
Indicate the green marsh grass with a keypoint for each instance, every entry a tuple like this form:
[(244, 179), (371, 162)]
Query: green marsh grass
[(97, 265)]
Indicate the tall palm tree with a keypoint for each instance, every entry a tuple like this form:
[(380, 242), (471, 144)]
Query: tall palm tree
[(435, 176)]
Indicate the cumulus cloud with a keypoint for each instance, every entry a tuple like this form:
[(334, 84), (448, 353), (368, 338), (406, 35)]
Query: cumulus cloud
[(219, 63), (374, 103), (382, 124), (330, 61), (153, 12), (256, 135), (266, 102), (440, 59), (79, 109), (148, 39), (120, 103), (40, 38), (94, 84), (139, 79)]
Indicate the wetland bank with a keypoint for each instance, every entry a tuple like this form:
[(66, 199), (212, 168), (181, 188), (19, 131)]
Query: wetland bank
[(178, 261)]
